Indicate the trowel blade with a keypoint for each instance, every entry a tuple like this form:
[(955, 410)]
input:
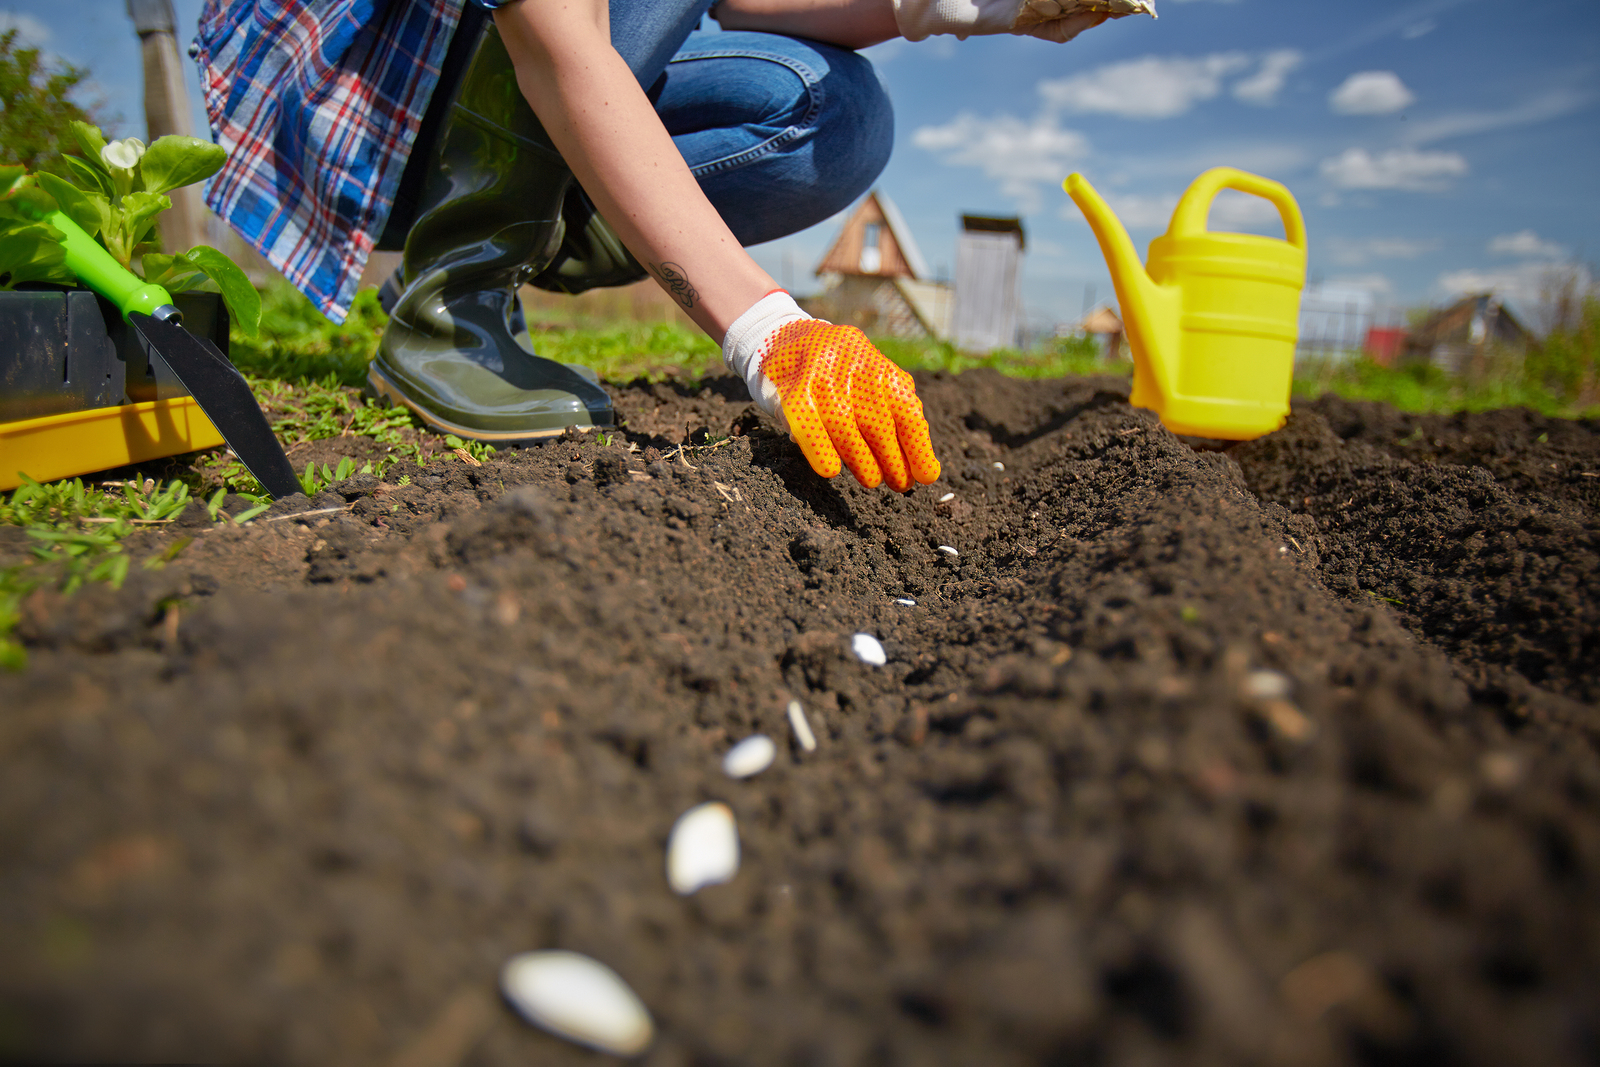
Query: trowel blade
[(225, 397)]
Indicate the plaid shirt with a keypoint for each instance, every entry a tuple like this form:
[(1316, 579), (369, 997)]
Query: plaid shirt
[(318, 103)]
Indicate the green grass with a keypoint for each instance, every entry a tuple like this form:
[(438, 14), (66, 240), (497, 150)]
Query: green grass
[(1057, 359), (623, 351), (1427, 390), (298, 345), (76, 533)]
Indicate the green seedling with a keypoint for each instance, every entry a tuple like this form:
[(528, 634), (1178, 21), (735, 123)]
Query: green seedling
[(312, 484), (30, 249), (76, 533), (478, 450), (117, 193)]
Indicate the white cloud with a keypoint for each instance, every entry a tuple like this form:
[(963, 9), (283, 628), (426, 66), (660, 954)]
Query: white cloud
[(1398, 168), (1353, 253), (1523, 285), (1231, 212), (1262, 87), (1237, 212), (1377, 284), (1420, 29), (1551, 105), (1021, 155), (1371, 92), (1135, 210), (30, 31), (1153, 87), (1526, 245)]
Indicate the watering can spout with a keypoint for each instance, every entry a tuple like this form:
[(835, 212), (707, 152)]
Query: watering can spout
[(1149, 310)]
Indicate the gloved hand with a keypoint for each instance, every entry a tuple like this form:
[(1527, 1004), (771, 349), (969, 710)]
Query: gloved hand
[(836, 394), (1053, 20)]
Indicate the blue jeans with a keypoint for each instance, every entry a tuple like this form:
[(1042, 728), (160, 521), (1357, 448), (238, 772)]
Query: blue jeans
[(780, 132)]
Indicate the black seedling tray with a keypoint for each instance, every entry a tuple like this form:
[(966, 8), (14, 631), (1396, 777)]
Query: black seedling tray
[(65, 350)]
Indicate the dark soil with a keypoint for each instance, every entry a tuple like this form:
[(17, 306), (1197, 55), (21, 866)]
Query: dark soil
[(295, 797)]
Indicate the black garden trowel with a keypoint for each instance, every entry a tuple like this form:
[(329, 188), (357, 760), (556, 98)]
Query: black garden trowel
[(214, 382)]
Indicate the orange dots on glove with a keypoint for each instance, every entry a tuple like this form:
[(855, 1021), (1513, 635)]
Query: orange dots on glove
[(847, 403)]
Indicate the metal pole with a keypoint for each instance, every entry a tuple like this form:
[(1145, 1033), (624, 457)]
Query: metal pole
[(166, 111)]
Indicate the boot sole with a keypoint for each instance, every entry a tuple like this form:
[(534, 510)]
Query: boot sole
[(384, 389)]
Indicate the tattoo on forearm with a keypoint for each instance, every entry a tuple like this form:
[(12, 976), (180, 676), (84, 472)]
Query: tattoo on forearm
[(672, 278)]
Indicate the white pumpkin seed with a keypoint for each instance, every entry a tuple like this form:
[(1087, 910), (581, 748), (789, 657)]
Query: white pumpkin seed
[(947, 550), (999, 466), (703, 849), (907, 601), (1267, 685), (751, 756), (947, 498), (868, 650), (801, 728), (577, 998)]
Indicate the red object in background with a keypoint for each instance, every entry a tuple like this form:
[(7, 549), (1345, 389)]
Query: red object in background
[(1384, 344)]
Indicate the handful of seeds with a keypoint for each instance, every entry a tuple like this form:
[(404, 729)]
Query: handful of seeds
[(1049, 10)]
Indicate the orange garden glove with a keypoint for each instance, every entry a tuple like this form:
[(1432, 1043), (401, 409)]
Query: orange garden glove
[(836, 394)]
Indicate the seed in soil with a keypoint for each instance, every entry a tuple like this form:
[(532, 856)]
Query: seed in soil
[(999, 466), (947, 550), (802, 728), (907, 601), (703, 849), (577, 998), (947, 498), (868, 650), (749, 757), (1267, 685)]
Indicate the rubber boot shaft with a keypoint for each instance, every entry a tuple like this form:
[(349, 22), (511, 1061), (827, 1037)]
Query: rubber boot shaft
[(489, 218)]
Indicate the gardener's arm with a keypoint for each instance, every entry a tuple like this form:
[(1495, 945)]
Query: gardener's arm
[(859, 23), (846, 23), (843, 402)]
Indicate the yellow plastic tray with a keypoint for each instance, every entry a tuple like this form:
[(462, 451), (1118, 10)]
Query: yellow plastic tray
[(80, 442)]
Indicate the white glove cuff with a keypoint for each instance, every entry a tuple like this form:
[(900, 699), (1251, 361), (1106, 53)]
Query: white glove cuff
[(918, 19), (746, 341)]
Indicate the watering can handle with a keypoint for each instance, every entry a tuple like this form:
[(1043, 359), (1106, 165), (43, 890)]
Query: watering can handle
[(1195, 207)]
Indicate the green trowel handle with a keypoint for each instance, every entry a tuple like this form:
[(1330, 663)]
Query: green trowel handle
[(100, 271)]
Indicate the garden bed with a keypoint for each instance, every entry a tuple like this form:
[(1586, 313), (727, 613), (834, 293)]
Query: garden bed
[(1279, 754)]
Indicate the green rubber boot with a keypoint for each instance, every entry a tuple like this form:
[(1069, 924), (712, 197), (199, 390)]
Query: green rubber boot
[(489, 219)]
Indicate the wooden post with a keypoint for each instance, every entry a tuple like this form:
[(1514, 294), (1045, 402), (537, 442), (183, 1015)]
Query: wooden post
[(166, 110)]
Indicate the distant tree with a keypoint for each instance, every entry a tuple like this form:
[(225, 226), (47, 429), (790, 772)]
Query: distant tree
[(35, 112), (1567, 360)]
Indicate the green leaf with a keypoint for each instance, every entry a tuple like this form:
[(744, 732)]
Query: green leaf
[(32, 252), (173, 273), (10, 174), (74, 203), (139, 214), (175, 161), (91, 140), (242, 298), (25, 202), (90, 178)]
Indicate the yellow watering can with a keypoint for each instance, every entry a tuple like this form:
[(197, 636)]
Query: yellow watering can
[(1214, 322)]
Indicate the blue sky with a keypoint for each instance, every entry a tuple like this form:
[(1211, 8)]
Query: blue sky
[(1436, 146)]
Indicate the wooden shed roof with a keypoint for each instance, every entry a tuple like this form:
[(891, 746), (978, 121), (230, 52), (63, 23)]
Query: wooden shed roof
[(899, 256)]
